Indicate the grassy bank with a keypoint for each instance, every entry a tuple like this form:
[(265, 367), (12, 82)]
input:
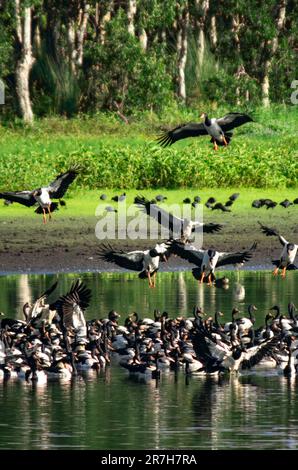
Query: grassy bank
[(115, 155), (83, 203), (69, 241)]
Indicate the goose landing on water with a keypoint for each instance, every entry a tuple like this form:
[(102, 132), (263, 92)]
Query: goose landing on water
[(208, 260), (145, 261), (218, 129)]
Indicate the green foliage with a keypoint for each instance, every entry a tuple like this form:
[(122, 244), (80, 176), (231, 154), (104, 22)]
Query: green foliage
[(113, 155), (127, 76)]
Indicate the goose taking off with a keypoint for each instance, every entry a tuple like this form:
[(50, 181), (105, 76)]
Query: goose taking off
[(71, 307), (40, 312), (218, 129), (147, 262), (181, 227), (208, 260), (288, 254), (43, 196)]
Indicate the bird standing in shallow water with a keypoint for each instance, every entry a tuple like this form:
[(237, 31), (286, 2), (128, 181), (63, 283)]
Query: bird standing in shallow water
[(218, 129)]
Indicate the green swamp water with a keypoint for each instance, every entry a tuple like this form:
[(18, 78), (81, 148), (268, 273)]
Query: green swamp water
[(109, 410)]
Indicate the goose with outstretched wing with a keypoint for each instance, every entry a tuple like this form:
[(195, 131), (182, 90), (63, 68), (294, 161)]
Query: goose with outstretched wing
[(146, 262), (40, 312), (218, 129), (208, 260), (288, 253), (43, 196), (71, 308), (178, 228)]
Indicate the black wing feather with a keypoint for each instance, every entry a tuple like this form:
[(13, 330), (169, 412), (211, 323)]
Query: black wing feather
[(79, 294), (59, 186), (164, 218), (184, 252), (232, 120), (191, 129), (133, 261), (22, 197), (234, 258)]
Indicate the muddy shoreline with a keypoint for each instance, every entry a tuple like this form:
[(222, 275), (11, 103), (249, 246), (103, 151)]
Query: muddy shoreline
[(69, 244)]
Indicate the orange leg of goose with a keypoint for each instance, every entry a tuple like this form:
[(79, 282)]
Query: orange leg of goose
[(49, 211), (44, 217), (224, 141), (209, 280), (275, 272), (202, 277), (283, 274), (215, 146), (154, 280), (149, 279)]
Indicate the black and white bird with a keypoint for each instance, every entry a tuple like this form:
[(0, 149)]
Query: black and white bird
[(218, 129), (147, 261), (178, 228), (288, 254), (208, 260), (43, 196), (71, 308)]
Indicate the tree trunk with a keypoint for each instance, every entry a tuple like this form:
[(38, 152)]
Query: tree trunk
[(202, 7), (25, 61), (182, 45), (143, 39), (102, 17), (131, 13), (76, 29), (270, 49)]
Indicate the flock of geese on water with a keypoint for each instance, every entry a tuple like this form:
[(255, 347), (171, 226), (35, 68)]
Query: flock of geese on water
[(54, 341)]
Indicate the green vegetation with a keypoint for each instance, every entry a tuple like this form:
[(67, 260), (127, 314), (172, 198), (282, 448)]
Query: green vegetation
[(82, 203), (116, 155)]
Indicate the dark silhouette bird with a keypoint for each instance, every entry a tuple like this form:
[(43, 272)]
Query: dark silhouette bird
[(229, 203), (286, 203), (62, 203), (103, 197), (43, 196), (160, 198), (218, 129), (270, 204), (234, 196), (120, 198), (295, 200), (220, 206), (257, 203), (211, 200), (187, 200), (197, 199)]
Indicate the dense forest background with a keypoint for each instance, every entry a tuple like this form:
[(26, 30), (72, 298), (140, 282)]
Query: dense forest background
[(84, 56)]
